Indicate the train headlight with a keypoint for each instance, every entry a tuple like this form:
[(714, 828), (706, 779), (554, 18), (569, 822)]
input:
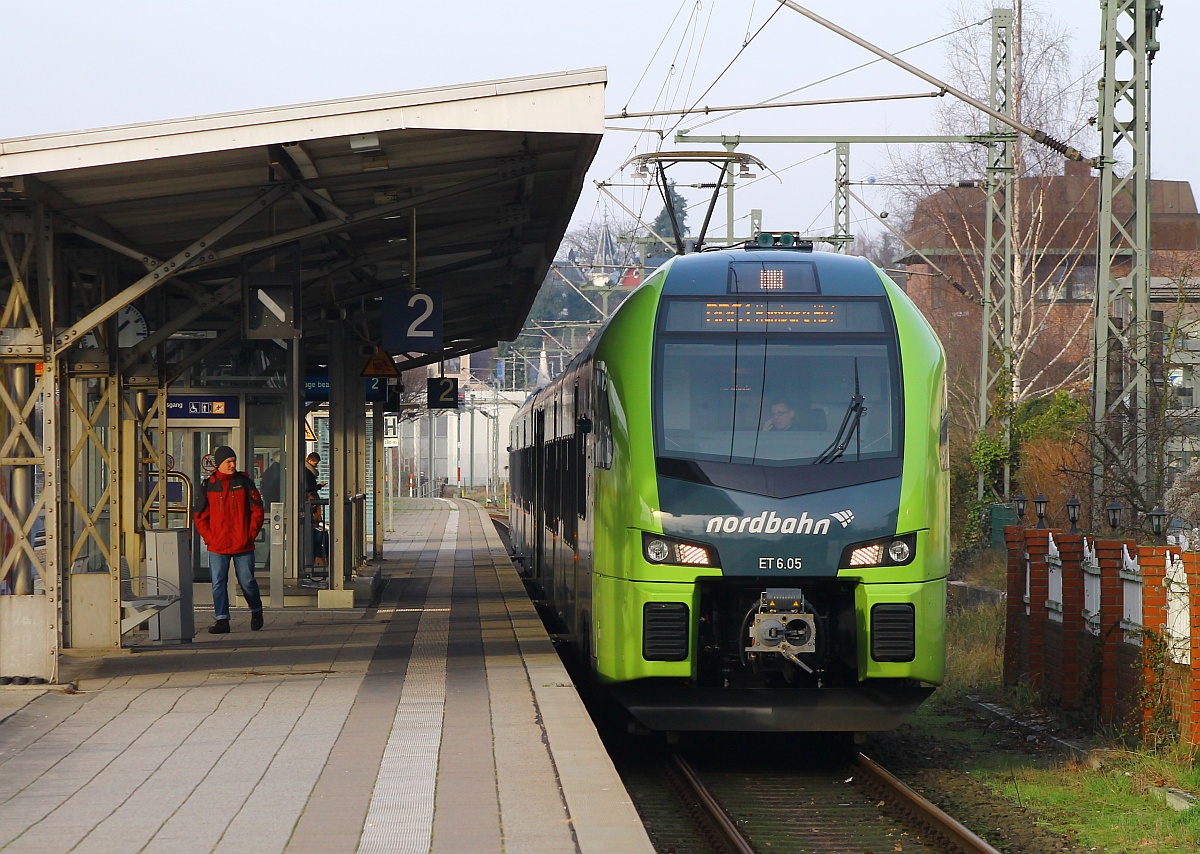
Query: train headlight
[(899, 551), (889, 551), (657, 551), (667, 550)]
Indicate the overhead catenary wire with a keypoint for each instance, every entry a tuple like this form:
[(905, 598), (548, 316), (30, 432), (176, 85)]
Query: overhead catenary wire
[(1035, 134), (736, 56), (953, 282), (740, 108), (847, 71)]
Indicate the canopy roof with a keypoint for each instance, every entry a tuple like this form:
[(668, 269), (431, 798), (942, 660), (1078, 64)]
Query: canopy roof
[(471, 187)]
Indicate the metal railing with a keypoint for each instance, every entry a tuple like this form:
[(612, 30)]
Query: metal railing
[(357, 506), (315, 571)]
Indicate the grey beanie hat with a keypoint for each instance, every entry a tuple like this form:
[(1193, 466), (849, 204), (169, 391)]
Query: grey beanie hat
[(222, 453)]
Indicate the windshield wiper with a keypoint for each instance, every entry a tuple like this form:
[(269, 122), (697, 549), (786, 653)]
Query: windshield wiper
[(848, 428)]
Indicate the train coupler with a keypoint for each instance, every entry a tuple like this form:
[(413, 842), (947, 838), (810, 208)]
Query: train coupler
[(782, 624)]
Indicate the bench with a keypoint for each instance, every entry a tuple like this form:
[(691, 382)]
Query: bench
[(143, 598)]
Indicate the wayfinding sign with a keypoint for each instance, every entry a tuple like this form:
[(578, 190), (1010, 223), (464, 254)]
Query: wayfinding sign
[(205, 407), (412, 322), (443, 392), (316, 388)]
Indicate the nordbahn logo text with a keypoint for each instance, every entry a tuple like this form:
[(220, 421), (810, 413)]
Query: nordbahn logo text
[(772, 523)]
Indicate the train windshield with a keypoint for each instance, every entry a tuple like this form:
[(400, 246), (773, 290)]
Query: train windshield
[(784, 383)]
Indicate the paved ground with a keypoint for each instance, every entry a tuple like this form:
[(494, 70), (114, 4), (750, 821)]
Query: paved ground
[(440, 720)]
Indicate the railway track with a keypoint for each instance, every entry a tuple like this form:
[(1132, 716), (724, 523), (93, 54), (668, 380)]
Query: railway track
[(807, 805), (861, 808)]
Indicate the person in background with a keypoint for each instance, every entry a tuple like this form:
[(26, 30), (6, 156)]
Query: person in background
[(782, 417), (229, 515), (312, 488), (311, 485), (785, 416), (271, 481)]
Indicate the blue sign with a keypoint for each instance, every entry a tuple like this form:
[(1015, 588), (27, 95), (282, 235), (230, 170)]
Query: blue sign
[(412, 322), (316, 387), (204, 406), (377, 389)]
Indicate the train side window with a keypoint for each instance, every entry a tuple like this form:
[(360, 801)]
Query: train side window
[(603, 428)]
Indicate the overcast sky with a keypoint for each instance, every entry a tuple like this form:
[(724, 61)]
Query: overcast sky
[(76, 64)]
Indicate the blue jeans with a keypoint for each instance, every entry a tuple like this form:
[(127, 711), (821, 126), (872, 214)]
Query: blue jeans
[(243, 564)]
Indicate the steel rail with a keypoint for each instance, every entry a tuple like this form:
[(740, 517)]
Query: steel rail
[(954, 831), (718, 816)]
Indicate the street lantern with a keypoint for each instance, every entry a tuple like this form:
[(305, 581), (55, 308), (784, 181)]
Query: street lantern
[(1039, 505), (1073, 514), (1022, 503), (1158, 517), (1113, 511)]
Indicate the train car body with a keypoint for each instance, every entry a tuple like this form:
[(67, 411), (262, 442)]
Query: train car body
[(736, 497)]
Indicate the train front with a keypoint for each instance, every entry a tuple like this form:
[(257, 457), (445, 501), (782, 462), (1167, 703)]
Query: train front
[(788, 555)]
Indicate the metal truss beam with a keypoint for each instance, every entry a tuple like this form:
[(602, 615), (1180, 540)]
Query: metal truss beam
[(505, 172), (199, 250)]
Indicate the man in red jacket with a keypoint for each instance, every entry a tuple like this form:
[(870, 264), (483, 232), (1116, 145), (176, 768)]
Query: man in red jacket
[(229, 515)]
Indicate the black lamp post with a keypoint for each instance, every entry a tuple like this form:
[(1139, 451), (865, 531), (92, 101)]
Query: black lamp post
[(1073, 514), (1039, 505), (1022, 503), (1158, 517), (1113, 511)]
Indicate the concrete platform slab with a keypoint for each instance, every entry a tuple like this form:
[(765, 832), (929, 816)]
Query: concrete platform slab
[(438, 720)]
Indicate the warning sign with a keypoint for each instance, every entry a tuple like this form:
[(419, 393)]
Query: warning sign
[(309, 435), (380, 365), (208, 464)]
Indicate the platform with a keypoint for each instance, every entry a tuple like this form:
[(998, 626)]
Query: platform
[(440, 720)]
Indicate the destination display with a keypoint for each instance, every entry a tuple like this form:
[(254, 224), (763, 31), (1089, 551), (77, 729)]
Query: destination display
[(749, 315)]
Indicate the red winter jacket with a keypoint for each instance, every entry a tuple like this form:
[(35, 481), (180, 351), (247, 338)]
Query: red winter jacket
[(229, 513)]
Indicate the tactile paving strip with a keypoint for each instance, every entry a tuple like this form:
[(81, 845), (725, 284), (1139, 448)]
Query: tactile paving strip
[(400, 818)]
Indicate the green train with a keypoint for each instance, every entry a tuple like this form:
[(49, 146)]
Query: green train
[(735, 499)]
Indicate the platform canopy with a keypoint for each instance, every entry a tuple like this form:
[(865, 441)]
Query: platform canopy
[(468, 188)]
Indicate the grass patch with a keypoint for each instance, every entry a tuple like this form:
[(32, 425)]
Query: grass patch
[(974, 653), (985, 568), (1110, 808)]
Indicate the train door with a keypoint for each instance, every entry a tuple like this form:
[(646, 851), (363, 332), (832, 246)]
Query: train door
[(574, 504), (554, 506), (539, 494)]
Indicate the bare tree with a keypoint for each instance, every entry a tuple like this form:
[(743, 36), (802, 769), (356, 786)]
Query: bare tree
[(1053, 215)]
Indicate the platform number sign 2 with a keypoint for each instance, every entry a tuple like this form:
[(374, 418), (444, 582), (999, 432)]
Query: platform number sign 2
[(443, 392), (412, 322)]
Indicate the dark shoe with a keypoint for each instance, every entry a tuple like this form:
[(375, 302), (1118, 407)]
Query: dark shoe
[(256, 621), (220, 627)]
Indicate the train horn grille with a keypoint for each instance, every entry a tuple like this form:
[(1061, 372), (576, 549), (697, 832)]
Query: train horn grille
[(665, 631), (893, 632)]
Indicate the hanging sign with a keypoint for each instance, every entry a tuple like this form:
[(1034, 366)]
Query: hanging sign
[(413, 322)]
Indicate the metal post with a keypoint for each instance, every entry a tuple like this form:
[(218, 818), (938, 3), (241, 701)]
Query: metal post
[(841, 197), (995, 349), (1120, 404), (379, 488), (429, 472), (471, 463), (337, 519), (729, 146), (496, 445), (22, 484)]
